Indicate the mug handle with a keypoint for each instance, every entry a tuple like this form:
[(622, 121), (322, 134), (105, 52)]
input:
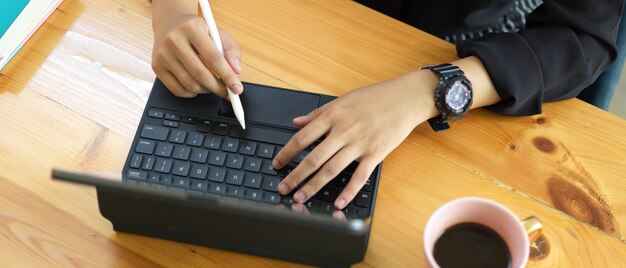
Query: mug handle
[(533, 227)]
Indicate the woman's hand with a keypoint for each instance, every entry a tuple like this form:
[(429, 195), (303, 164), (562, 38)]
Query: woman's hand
[(364, 125), (184, 56)]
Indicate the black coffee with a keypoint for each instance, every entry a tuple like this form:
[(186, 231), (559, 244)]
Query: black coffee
[(471, 245)]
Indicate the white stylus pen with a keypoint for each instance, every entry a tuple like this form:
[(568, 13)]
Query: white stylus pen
[(215, 36)]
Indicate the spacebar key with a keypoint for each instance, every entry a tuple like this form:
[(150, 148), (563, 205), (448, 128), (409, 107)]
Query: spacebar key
[(262, 135)]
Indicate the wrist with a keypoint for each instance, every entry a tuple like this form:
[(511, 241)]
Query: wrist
[(168, 12), (421, 87)]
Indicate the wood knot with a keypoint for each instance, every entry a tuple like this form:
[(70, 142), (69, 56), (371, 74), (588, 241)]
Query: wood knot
[(541, 120), (544, 144), (539, 249), (513, 146), (583, 204)]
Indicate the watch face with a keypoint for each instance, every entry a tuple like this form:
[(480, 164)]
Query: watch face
[(458, 97)]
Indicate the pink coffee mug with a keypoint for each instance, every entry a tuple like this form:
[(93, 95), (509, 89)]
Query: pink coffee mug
[(516, 234)]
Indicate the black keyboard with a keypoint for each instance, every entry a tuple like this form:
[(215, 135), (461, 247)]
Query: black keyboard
[(206, 156)]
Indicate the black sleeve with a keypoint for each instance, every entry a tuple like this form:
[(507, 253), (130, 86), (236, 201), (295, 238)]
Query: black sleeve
[(564, 48)]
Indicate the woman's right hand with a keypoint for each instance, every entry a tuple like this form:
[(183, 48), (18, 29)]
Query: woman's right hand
[(184, 56)]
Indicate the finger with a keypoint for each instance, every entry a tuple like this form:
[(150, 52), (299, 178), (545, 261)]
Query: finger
[(173, 85), (311, 163), (304, 120), (358, 179), (232, 52), (301, 140), (178, 70), (329, 171), (217, 62), (195, 67)]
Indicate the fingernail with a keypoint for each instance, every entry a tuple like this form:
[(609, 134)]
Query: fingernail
[(299, 197), (275, 164), (282, 188), (237, 88), (300, 118), (340, 203)]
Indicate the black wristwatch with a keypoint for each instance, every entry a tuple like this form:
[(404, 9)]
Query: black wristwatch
[(453, 95)]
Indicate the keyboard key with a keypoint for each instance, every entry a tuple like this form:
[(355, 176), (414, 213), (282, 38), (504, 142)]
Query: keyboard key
[(181, 182), (220, 129), (268, 168), (172, 117), (180, 168), (217, 188), (349, 211), (189, 119), (234, 177), (234, 161), (252, 164), (230, 145), (270, 183), (195, 139), (287, 200), (312, 204), (154, 132), (198, 185), (261, 134), (248, 148), (367, 186), (217, 158), (145, 146), (283, 172), (154, 178), (273, 198), (255, 195), (199, 171), (327, 207), (155, 113), (217, 174), (342, 180), (166, 179), (181, 152), (362, 199), (253, 180), (213, 142), (148, 163), (135, 161), (199, 155), (169, 123), (178, 136), (266, 151), (327, 194), (163, 165), (204, 125), (164, 149), (137, 174), (299, 157), (235, 191)]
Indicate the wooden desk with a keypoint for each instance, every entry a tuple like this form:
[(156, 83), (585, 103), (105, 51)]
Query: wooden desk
[(73, 96)]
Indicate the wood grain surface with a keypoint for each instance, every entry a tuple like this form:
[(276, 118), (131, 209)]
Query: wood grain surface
[(72, 98)]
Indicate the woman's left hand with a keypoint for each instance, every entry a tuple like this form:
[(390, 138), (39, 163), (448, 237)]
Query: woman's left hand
[(364, 125)]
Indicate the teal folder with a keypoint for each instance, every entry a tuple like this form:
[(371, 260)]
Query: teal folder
[(9, 10)]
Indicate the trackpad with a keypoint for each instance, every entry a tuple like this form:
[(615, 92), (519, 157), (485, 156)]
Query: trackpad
[(270, 105)]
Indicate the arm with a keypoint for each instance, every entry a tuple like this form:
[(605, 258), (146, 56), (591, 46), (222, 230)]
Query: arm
[(356, 128), (185, 58), (565, 47)]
